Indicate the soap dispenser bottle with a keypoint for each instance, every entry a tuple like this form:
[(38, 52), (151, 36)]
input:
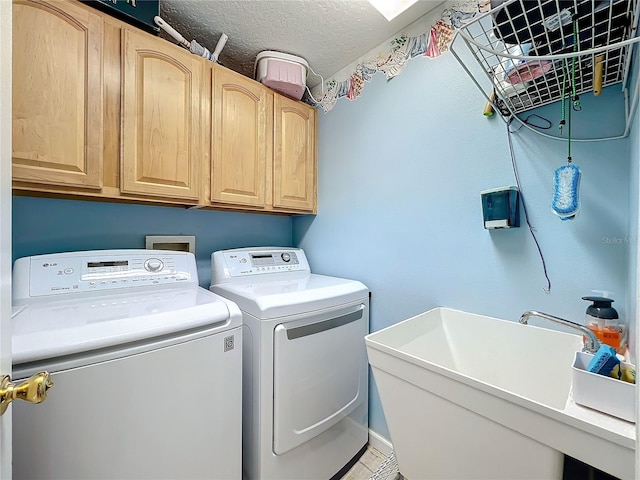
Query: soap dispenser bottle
[(602, 320)]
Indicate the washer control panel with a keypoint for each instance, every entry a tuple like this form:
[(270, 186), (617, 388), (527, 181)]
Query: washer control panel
[(45, 275), (245, 262)]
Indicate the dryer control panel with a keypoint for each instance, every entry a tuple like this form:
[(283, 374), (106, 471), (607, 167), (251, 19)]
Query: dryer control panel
[(241, 262), (76, 272)]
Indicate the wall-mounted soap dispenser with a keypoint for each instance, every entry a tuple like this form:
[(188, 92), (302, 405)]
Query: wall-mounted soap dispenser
[(500, 207)]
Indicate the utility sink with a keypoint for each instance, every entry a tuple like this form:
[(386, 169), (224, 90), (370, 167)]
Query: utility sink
[(534, 363), (472, 396)]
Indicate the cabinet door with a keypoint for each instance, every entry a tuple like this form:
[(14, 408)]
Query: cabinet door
[(160, 118), (241, 141), (57, 94), (294, 160)]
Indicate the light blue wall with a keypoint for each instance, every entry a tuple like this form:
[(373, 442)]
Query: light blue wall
[(43, 225), (400, 171)]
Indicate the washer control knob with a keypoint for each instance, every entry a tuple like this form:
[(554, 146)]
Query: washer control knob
[(285, 257), (153, 265)]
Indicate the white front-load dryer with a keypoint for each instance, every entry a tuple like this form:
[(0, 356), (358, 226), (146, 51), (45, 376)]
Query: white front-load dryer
[(305, 370)]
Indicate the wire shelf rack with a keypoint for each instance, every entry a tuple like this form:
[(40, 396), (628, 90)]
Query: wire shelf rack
[(526, 50)]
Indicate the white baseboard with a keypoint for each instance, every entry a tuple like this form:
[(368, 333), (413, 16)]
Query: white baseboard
[(380, 443)]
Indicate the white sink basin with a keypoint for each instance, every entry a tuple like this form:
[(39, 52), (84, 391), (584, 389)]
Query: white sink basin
[(493, 392), (532, 362)]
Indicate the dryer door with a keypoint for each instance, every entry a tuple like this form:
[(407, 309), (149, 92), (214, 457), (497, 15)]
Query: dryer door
[(319, 373)]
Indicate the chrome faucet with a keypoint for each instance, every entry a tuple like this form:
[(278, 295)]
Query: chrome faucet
[(591, 344)]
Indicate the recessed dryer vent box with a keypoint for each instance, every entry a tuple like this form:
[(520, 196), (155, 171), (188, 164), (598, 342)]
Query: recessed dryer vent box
[(282, 72), (500, 207), (178, 243)]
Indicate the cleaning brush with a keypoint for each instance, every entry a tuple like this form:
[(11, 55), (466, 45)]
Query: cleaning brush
[(566, 184)]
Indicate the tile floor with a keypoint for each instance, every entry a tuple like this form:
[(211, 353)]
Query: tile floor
[(372, 459), (367, 464)]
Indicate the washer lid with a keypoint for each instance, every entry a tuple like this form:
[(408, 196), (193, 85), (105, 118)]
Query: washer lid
[(280, 295), (59, 328)]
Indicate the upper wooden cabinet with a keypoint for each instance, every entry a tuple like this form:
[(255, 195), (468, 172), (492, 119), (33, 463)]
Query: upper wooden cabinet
[(161, 143), (57, 94), (106, 111), (294, 160), (241, 139), (260, 158)]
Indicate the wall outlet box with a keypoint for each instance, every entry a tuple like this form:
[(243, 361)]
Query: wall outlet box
[(500, 207), (178, 243)]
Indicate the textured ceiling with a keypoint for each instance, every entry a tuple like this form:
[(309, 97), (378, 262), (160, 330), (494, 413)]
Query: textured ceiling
[(329, 34)]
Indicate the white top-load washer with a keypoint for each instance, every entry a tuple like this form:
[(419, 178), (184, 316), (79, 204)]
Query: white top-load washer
[(305, 382), (146, 366)]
